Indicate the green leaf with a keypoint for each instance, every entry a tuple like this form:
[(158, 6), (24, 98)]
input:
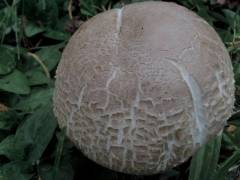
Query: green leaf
[(32, 138), (8, 120), (7, 60), (57, 35), (32, 29), (229, 14), (91, 7), (13, 171), (39, 128), (37, 99), (88, 8), (7, 20), (225, 35), (6, 147), (59, 152), (37, 77), (61, 25), (50, 57), (204, 162), (62, 168), (16, 82), (47, 11)]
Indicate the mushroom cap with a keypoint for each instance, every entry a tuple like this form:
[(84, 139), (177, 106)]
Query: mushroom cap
[(140, 89)]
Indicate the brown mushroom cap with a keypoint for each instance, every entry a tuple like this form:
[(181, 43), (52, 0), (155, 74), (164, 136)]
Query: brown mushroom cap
[(140, 89)]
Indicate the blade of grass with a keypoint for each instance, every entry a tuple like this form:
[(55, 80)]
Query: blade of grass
[(225, 166), (229, 140), (204, 162), (59, 154), (6, 17), (16, 33), (35, 57)]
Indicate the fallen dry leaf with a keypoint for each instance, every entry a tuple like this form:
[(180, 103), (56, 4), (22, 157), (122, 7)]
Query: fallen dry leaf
[(231, 129), (3, 108)]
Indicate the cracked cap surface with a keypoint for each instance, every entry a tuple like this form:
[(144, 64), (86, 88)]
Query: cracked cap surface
[(140, 89)]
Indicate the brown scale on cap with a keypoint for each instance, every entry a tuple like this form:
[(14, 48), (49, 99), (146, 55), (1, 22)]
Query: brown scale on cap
[(140, 89)]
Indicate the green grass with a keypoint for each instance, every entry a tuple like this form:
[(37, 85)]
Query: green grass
[(33, 34)]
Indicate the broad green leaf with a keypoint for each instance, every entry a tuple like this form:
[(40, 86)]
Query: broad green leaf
[(59, 151), (8, 120), (225, 35), (32, 29), (203, 11), (7, 60), (230, 14), (50, 57), (36, 77), (38, 129), (14, 171), (87, 12), (7, 20), (37, 99), (16, 82), (57, 35), (62, 168), (61, 25), (6, 148), (15, 50), (204, 162), (44, 11), (91, 7), (32, 137), (47, 11)]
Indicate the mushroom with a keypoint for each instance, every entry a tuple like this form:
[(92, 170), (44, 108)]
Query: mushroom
[(140, 89)]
